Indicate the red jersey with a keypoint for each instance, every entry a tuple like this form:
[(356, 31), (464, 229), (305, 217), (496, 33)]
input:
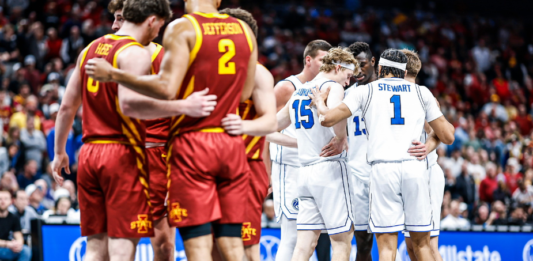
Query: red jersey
[(157, 130), (104, 121), (254, 144), (219, 60)]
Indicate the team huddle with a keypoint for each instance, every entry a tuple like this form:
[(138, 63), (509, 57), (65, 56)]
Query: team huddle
[(185, 134)]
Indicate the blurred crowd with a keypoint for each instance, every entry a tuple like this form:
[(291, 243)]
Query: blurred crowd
[(479, 68)]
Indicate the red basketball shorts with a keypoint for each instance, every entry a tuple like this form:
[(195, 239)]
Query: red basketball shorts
[(157, 163), (113, 191), (251, 228), (208, 179)]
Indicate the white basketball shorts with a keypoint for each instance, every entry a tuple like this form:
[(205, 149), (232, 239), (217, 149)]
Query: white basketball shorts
[(325, 200), (399, 197), (436, 191), (360, 192), (285, 190)]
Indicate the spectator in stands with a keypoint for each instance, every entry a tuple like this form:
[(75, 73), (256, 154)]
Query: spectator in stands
[(50, 123), (29, 175), (454, 220), (523, 195), (62, 206), (498, 215), (20, 119), (72, 45), (481, 56), (11, 248), (4, 157), (69, 185), (455, 163), (465, 187), (22, 210), (48, 197), (512, 175), (502, 192), (482, 215), (36, 196), (31, 74), (489, 184), (34, 142), (9, 182), (475, 169)]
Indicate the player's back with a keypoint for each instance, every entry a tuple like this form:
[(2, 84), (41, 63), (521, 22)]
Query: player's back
[(104, 121), (357, 143), (219, 61), (310, 135), (394, 114), (157, 129)]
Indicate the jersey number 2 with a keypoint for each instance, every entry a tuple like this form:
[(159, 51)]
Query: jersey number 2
[(224, 64), (308, 124), (92, 85), (397, 120)]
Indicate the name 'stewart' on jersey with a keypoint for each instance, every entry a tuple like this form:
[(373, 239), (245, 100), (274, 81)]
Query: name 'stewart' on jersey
[(394, 88)]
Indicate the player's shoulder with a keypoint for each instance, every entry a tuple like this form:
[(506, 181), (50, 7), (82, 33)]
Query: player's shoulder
[(285, 85), (180, 26)]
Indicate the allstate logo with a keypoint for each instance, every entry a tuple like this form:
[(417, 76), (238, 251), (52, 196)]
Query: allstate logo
[(527, 254), (269, 245), (77, 249), (295, 204)]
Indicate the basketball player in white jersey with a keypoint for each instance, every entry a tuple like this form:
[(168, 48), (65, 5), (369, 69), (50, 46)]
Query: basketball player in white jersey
[(394, 111), (284, 160), (323, 183), (435, 173)]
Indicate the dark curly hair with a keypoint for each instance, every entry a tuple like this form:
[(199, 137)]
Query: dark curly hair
[(136, 11), (395, 56), (360, 47), (242, 15)]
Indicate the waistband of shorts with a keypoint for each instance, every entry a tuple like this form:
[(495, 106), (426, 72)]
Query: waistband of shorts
[(97, 141), (208, 130), (279, 163), (327, 161), (392, 161), (154, 144)]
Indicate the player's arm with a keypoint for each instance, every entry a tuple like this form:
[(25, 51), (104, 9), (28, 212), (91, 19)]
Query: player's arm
[(443, 129), (284, 120), (65, 117), (133, 104), (264, 100), (178, 42), (330, 117), (282, 139), (340, 141), (249, 84), (283, 92)]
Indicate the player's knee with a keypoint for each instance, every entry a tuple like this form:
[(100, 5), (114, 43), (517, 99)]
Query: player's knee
[(195, 231), (166, 251), (227, 230), (364, 243)]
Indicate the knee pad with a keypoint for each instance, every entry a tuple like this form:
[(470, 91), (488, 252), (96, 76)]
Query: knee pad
[(195, 231), (227, 230)]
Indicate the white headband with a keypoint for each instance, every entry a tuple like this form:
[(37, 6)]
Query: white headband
[(350, 66), (389, 63)]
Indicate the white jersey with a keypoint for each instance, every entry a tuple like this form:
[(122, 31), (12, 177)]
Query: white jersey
[(432, 156), (310, 135), (281, 154), (394, 111), (357, 144)]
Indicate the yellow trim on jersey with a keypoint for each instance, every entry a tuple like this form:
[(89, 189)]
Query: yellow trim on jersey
[(136, 136), (199, 38), (156, 51), (85, 53), (122, 49), (169, 154), (188, 91), (248, 38), (118, 37), (249, 104), (212, 15), (107, 142), (256, 155), (252, 144), (212, 130)]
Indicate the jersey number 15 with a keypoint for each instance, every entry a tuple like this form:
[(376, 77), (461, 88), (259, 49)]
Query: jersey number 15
[(305, 110)]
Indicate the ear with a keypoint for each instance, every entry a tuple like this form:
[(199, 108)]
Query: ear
[(307, 60), (151, 20), (218, 2), (373, 61)]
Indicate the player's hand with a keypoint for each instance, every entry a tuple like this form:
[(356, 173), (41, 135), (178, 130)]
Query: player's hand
[(419, 150), (201, 104), (99, 69), (317, 96), (232, 124), (60, 162), (335, 147), (16, 246)]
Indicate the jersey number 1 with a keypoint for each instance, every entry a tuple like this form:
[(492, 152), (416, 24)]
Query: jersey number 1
[(308, 124), (397, 120), (224, 64)]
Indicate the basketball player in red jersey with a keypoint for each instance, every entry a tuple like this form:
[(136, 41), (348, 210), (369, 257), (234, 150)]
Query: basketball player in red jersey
[(258, 119), (112, 174), (208, 172), (156, 137)]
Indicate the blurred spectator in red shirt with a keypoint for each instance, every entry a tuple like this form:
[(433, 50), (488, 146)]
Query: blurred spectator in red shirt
[(524, 120), (31, 74), (53, 43), (489, 184), (501, 85), (512, 175)]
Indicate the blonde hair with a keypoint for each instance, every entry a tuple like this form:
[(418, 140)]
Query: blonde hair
[(338, 55), (413, 63)]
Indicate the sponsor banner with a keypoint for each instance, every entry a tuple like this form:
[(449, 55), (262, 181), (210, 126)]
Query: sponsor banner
[(64, 243)]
